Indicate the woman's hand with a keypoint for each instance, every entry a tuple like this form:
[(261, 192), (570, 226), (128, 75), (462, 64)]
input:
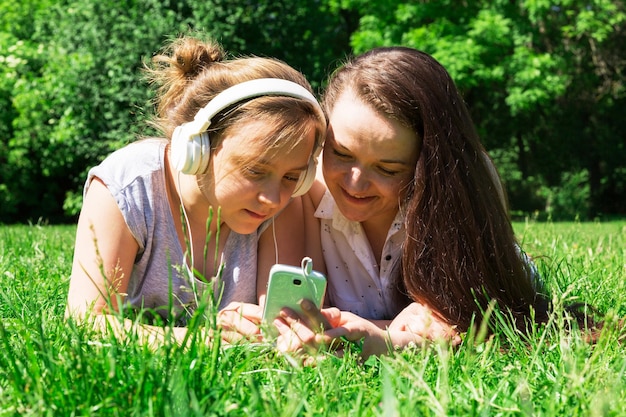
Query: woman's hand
[(373, 339), (305, 332), (420, 321), (416, 324), (297, 336)]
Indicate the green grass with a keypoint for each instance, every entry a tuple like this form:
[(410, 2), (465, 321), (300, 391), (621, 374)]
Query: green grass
[(49, 366)]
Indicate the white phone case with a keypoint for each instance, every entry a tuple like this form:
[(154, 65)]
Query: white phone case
[(288, 285)]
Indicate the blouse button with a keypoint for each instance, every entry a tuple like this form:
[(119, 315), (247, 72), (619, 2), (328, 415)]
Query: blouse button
[(388, 257)]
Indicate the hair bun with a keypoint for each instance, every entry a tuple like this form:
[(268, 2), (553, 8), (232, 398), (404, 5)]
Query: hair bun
[(192, 55)]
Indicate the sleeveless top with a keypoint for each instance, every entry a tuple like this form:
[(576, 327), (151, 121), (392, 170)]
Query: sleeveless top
[(160, 280)]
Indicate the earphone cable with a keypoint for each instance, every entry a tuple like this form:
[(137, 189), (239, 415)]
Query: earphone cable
[(187, 225), (275, 243)]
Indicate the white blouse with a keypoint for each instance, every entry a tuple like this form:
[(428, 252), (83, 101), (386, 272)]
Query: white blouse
[(355, 282)]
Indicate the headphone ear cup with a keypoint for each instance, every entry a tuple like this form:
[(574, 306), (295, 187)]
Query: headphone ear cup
[(190, 152), (205, 152), (306, 179)]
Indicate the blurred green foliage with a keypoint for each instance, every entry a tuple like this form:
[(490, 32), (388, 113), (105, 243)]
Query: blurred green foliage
[(543, 79), (545, 83)]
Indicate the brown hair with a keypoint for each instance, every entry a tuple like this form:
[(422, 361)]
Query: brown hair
[(189, 72), (460, 251)]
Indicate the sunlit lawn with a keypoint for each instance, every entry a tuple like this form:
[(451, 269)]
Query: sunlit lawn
[(49, 366)]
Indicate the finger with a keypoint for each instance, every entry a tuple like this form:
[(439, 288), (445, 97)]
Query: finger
[(342, 334), (314, 316), (231, 337), (251, 312), (234, 337), (233, 320), (300, 329), (289, 315), (333, 315), (287, 340)]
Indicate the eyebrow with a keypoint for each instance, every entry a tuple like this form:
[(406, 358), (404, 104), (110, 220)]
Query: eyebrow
[(383, 161), (263, 162), (394, 161)]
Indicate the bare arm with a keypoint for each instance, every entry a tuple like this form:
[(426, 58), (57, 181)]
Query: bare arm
[(104, 254)]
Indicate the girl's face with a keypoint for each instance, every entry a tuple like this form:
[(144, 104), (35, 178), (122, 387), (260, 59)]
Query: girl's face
[(249, 187), (368, 160)]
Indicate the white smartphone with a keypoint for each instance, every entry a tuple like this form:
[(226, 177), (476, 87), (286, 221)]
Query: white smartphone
[(289, 285)]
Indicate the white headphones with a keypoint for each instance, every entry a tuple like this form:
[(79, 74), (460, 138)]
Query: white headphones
[(190, 147)]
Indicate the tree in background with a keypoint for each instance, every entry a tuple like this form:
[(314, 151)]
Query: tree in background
[(76, 96), (305, 33), (544, 80), (19, 58), (72, 89)]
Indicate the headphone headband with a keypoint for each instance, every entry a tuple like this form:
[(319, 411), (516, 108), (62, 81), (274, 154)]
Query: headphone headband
[(191, 148), (249, 89)]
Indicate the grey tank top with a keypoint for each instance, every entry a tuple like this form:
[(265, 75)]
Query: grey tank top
[(160, 281)]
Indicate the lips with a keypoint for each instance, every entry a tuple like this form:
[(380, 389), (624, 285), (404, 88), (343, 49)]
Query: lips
[(256, 215), (356, 199)]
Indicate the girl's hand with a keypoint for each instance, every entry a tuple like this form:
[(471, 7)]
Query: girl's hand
[(240, 321)]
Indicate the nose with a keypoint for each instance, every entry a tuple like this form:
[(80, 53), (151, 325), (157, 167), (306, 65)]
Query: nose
[(356, 179), (270, 195)]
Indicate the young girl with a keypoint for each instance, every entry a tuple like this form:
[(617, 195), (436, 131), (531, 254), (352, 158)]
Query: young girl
[(163, 216), (412, 216)]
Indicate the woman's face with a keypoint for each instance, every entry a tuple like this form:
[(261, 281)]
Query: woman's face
[(368, 160), (249, 187)]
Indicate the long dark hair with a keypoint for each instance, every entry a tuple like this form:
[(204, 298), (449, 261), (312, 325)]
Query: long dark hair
[(460, 251)]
